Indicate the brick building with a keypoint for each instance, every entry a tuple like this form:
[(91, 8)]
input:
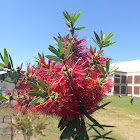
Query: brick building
[(127, 78)]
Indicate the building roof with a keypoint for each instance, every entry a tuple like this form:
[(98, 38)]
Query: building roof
[(128, 66), (3, 72)]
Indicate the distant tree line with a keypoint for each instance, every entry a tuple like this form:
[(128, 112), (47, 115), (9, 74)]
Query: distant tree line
[(10, 77)]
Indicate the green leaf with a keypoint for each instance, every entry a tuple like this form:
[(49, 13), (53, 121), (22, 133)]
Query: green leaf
[(34, 93), (5, 53), (81, 130), (34, 86), (33, 102), (107, 65), (96, 131), (101, 76), (63, 123), (61, 47), (101, 34), (108, 37), (90, 48), (41, 100), (21, 65), (56, 43), (101, 69), (36, 59), (9, 65), (97, 37), (50, 88), (101, 46), (104, 37), (79, 28), (11, 62), (102, 106), (95, 49), (113, 67), (92, 119), (114, 70), (67, 23), (55, 39), (59, 37), (72, 19), (55, 58), (2, 64), (69, 130), (104, 136), (60, 122), (6, 60), (103, 126), (68, 49), (2, 97), (110, 44), (66, 16), (77, 16), (42, 84), (74, 13), (53, 50), (106, 42), (68, 35), (117, 77), (107, 133), (87, 137), (95, 41), (95, 122), (42, 55), (39, 55), (69, 57), (1, 57), (101, 51)]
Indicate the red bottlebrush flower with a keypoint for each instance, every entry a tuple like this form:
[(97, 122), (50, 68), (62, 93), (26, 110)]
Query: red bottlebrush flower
[(9, 93), (42, 61), (71, 91), (78, 50), (18, 68)]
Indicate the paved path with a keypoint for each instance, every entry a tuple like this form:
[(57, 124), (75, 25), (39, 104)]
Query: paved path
[(6, 132)]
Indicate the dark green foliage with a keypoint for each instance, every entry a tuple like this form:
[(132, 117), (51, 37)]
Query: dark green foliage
[(10, 77)]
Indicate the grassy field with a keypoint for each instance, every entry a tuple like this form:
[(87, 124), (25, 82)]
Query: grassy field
[(123, 115), (119, 113)]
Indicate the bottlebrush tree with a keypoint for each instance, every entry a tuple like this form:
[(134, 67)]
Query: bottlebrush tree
[(70, 85)]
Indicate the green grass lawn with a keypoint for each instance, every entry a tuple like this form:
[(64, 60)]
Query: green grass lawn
[(123, 115), (124, 104), (119, 113)]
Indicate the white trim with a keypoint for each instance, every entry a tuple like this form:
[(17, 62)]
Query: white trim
[(3, 72), (134, 95)]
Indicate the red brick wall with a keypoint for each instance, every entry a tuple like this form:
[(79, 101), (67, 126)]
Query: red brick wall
[(123, 90), (137, 79), (123, 79), (129, 89), (116, 80), (116, 89), (136, 90), (129, 81)]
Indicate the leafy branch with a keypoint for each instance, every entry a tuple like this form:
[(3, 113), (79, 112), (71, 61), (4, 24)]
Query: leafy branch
[(70, 19), (102, 41), (8, 63)]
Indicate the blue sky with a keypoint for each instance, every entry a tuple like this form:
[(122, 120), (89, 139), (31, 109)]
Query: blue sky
[(28, 26)]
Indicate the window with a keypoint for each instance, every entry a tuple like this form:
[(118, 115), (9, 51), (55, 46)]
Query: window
[(116, 79), (129, 79)]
